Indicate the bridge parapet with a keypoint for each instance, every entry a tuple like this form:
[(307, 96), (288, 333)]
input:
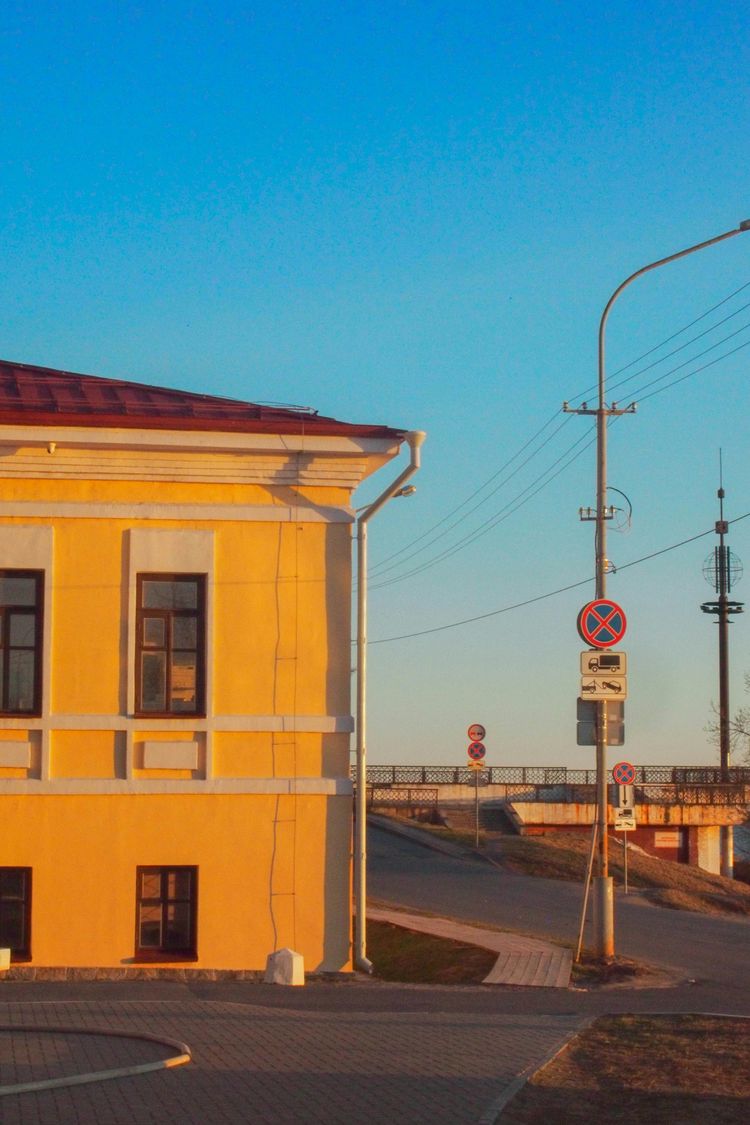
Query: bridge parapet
[(548, 775)]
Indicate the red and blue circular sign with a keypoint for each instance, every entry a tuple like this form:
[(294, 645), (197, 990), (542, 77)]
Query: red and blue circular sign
[(477, 751), (624, 773), (602, 623)]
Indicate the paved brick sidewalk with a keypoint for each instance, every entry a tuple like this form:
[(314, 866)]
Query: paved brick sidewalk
[(255, 1064)]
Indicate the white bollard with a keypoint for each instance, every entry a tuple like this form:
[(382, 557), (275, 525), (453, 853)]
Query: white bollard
[(285, 967)]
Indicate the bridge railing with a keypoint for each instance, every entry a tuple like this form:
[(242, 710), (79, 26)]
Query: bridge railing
[(548, 775), (671, 785), (389, 796)]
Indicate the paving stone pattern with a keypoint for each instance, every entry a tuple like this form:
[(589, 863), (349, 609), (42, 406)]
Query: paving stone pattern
[(255, 1064)]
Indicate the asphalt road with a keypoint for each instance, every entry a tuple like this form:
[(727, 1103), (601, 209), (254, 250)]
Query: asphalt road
[(715, 952)]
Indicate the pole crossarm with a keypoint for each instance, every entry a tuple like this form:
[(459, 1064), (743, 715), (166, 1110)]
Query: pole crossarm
[(614, 409)]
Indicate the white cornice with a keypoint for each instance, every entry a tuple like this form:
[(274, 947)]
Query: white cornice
[(95, 437), (333, 465), (299, 786), (312, 724), (304, 512)]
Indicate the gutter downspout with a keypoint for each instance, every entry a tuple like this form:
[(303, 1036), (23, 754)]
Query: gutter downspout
[(415, 439)]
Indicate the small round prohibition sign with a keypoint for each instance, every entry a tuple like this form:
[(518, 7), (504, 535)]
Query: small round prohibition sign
[(624, 773), (477, 751), (602, 623), (476, 732)]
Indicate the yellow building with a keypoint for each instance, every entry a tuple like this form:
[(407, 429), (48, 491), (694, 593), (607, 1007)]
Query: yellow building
[(175, 647)]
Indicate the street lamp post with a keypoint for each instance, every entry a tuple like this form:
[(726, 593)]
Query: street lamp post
[(604, 943)]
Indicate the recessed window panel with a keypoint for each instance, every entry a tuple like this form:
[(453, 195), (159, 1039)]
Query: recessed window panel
[(150, 926), (171, 632), (22, 630), (154, 632), (184, 632), (166, 913), (15, 911), (150, 884), (179, 882), (153, 681), (20, 642), (21, 670), (183, 681), (18, 589), (173, 594)]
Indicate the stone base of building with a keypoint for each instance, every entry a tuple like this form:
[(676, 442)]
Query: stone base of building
[(48, 973)]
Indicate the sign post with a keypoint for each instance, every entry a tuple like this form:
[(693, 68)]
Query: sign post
[(477, 751), (624, 776), (602, 624)]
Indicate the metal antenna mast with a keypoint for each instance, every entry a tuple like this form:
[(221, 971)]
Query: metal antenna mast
[(721, 568)]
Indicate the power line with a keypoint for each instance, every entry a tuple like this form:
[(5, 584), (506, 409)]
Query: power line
[(413, 542), (697, 371), (549, 594), (508, 463), (503, 514), (692, 359), (692, 340), (511, 507), (668, 340), (474, 533), (381, 568)]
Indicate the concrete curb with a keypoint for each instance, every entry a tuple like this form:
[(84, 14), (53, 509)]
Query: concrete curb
[(492, 1114), (183, 1056)]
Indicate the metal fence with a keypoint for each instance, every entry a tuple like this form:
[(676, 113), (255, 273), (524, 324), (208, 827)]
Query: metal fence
[(548, 775), (416, 786), (401, 797)]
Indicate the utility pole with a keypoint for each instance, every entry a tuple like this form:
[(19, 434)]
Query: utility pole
[(604, 937), (604, 941), (719, 569)]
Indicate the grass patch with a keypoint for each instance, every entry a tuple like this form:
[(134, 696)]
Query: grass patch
[(675, 885), (564, 856), (655, 1069), (464, 836), (411, 958)]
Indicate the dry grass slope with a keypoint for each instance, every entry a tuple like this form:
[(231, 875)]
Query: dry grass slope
[(655, 1069)]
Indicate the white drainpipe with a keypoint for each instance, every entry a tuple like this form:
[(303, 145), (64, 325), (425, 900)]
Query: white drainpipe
[(415, 440)]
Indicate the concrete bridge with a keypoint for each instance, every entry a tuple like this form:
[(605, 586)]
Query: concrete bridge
[(679, 810)]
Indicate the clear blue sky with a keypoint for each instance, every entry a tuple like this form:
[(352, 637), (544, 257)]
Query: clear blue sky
[(414, 213)]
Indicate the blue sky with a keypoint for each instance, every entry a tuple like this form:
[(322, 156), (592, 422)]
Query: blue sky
[(414, 214)]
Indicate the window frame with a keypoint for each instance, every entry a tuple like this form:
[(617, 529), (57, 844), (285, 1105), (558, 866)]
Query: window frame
[(150, 953), (38, 613), (23, 954), (141, 612)]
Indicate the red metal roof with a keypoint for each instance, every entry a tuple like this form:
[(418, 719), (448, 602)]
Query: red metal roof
[(41, 396)]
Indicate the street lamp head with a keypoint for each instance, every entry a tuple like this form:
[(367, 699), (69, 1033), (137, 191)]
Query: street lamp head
[(407, 490), (745, 224)]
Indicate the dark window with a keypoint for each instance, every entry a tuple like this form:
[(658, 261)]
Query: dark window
[(170, 644), (166, 912), (20, 641), (15, 912)]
